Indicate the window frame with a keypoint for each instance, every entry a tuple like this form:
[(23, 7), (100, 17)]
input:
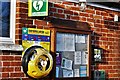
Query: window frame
[(11, 39)]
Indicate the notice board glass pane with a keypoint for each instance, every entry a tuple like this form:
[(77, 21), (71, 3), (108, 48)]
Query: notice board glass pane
[(72, 55)]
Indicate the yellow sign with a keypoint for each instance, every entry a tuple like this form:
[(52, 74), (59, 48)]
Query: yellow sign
[(33, 36), (39, 31)]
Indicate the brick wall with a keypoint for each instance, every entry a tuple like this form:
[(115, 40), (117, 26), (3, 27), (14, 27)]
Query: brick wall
[(10, 65), (10, 61), (106, 36), (106, 33)]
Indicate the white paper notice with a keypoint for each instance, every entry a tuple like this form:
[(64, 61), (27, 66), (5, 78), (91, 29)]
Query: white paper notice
[(84, 57), (80, 39), (76, 72), (60, 42), (65, 42), (67, 64), (57, 71), (69, 42), (77, 57), (67, 73)]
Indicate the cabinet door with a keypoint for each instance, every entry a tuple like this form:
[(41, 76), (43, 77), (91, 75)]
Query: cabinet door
[(72, 58)]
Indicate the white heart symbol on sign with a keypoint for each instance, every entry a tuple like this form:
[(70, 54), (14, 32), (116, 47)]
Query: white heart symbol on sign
[(37, 5)]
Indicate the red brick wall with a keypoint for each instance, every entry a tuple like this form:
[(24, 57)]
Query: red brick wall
[(107, 36), (10, 61), (10, 66), (106, 33)]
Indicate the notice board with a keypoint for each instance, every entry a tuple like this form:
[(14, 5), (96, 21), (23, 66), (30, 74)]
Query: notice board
[(72, 55)]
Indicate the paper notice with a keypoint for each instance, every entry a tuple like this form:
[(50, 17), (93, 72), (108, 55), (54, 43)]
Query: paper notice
[(67, 73), (69, 42), (67, 64), (80, 39), (77, 57), (58, 58), (76, 72), (60, 42), (84, 57), (57, 71)]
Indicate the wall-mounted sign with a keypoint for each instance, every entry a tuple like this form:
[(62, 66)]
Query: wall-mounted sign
[(32, 36), (98, 54), (99, 75), (37, 7)]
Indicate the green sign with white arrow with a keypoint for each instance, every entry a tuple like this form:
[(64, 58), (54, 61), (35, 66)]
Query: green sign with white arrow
[(37, 7)]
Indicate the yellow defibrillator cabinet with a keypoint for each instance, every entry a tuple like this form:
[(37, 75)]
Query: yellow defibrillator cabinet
[(37, 62)]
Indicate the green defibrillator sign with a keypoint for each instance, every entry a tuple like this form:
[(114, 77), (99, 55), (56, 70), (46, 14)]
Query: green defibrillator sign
[(37, 7)]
